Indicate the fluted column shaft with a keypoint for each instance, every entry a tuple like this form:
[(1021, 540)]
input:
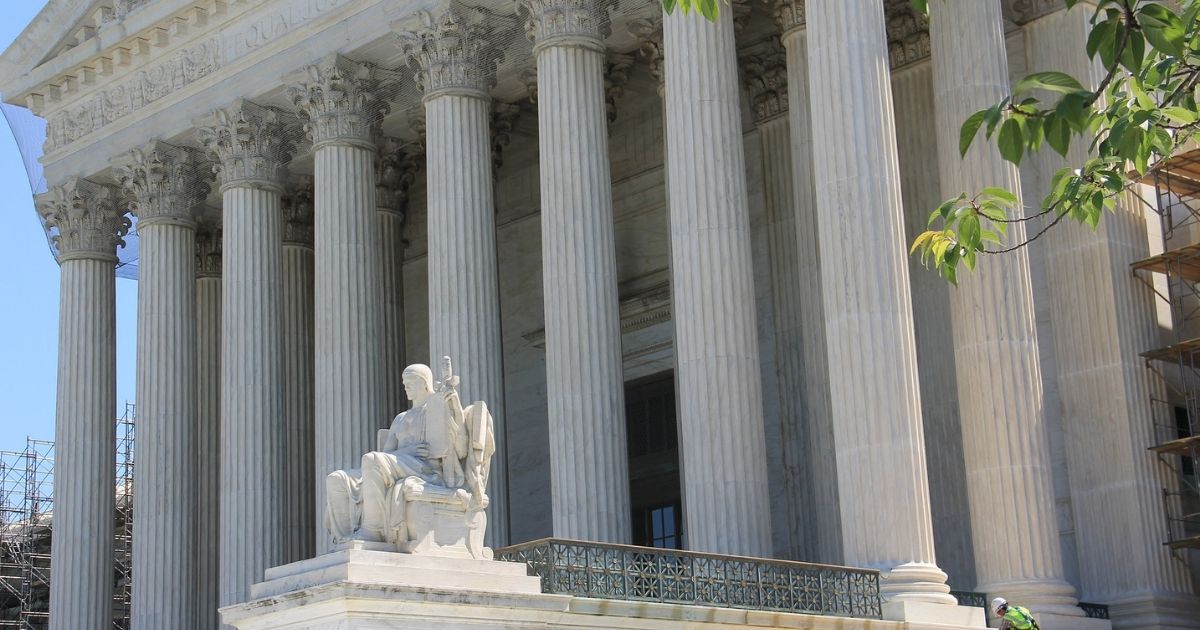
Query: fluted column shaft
[(876, 407), (164, 558), (789, 328), (301, 518), (166, 184), (390, 224), (82, 547), (252, 386), (1004, 440), (208, 432), (584, 379), (1107, 415), (464, 299), (347, 379), (250, 143), (916, 138), (820, 465), (337, 98), (722, 444)]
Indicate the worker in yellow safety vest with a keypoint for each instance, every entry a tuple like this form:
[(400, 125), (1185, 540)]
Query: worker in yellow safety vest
[(1013, 617)]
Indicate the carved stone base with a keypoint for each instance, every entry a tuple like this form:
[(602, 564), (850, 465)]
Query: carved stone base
[(361, 588)]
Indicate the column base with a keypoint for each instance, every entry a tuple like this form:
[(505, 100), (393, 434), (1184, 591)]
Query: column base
[(916, 582), (1157, 611), (918, 615)]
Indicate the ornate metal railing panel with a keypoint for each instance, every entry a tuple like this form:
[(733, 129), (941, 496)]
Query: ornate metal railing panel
[(971, 598), (1094, 611), (622, 572)]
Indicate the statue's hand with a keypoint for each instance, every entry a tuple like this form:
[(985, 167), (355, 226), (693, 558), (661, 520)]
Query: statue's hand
[(421, 450)]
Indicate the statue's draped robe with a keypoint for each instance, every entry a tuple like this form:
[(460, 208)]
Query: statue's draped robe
[(358, 499)]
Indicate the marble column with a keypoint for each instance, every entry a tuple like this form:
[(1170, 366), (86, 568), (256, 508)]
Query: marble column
[(208, 419), (721, 441), (87, 225), (585, 385), (250, 144), (807, 316), (336, 97), (302, 519), (1107, 414), (916, 138), (393, 176), (1004, 439), (876, 408), (464, 300), (166, 185), (764, 71)]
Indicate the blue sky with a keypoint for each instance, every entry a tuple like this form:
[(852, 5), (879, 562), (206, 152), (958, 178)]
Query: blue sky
[(29, 284)]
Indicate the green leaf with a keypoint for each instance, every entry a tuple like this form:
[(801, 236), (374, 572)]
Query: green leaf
[(921, 6), (1058, 135), (669, 6), (1181, 115), (1001, 194), (1053, 81), (969, 129), (1010, 141)]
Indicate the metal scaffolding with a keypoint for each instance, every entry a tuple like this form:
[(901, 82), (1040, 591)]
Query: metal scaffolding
[(1174, 275), (26, 516)]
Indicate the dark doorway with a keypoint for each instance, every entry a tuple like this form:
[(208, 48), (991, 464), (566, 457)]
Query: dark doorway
[(654, 462)]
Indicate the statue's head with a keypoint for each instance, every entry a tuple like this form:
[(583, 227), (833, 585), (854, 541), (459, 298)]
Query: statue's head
[(418, 381)]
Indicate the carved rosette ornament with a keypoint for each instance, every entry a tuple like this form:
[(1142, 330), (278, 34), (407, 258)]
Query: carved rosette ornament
[(580, 23), (250, 143), (907, 33), (529, 78), (616, 75), (208, 244), (765, 73), (166, 183), (338, 101), (84, 220), (789, 14), (504, 118), (298, 208), (450, 51)]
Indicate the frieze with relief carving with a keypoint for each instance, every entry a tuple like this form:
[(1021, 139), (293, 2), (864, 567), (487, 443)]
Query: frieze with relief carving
[(143, 88)]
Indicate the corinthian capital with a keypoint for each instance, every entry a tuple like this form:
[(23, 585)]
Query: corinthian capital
[(298, 212), (765, 73), (650, 34), (251, 143), (907, 33), (389, 175), (208, 244), (565, 23), (1024, 11), (451, 51), (84, 220), (789, 14), (167, 183), (338, 100)]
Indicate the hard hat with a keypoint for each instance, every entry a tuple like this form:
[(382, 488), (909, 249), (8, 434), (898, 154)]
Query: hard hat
[(998, 603)]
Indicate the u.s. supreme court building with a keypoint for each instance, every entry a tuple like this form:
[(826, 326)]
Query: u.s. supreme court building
[(670, 254)]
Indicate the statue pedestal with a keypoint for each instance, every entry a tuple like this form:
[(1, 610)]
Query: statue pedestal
[(363, 587)]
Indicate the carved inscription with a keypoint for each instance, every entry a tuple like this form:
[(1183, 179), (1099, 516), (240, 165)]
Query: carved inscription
[(270, 26)]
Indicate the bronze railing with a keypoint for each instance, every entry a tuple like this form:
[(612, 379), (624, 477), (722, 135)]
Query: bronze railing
[(623, 572)]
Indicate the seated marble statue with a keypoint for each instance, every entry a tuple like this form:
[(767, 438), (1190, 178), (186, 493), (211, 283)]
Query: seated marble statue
[(424, 490)]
